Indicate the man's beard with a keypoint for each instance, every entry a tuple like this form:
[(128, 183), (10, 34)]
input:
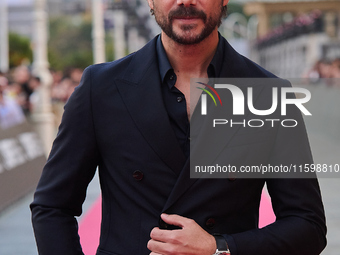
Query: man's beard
[(187, 38)]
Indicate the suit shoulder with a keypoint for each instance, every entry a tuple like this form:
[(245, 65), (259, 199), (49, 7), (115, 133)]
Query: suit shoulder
[(260, 73), (133, 64), (242, 67), (114, 67), (257, 70)]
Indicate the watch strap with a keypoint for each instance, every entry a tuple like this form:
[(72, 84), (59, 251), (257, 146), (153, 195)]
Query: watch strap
[(221, 244)]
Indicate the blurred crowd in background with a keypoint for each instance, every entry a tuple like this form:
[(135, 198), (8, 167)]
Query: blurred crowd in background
[(326, 68), (291, 39), (19, 94)]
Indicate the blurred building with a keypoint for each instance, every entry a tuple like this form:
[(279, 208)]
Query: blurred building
[(21, 12), (286, 36), (273, 13), (60, 7), (139, 27), (293, 35), (136, 24), (20, 17)]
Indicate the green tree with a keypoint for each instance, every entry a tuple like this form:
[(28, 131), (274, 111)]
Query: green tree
[(70, 43), (19, 49)]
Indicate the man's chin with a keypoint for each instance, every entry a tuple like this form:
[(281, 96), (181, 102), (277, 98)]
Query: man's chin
[(187, 37), (189, 40)]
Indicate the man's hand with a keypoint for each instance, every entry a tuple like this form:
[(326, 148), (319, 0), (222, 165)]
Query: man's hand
[(191, 239)]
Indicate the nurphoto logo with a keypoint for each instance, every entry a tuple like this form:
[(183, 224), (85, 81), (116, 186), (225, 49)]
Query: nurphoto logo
[(240, 100)]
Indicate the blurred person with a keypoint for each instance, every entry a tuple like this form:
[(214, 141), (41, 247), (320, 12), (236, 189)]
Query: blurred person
[(10, 112), (3, 80), (336, 72), (325, 69), (64, 86), (312, 75), (75, 75), (321, 73), (336, 68), (14, 90), (34, 84), (22, 75), (61, 92), (56, 76), (71, 88), (131, 117)]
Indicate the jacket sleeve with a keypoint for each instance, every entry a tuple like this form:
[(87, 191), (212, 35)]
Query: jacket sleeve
[(300, 227), (70, 167)]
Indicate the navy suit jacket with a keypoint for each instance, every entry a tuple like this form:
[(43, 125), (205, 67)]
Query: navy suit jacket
[(116, 120)]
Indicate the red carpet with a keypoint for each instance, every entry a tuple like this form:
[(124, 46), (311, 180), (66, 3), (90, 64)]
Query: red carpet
[(89, 226), (267, 215)]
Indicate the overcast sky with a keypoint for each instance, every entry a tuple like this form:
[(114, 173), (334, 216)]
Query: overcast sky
[(19, 2)]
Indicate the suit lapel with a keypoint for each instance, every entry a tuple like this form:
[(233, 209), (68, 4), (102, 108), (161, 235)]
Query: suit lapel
[(206, 147), (233, 67), (140, 89)]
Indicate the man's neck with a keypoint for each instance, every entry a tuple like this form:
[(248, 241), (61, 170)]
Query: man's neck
[(191, 59)]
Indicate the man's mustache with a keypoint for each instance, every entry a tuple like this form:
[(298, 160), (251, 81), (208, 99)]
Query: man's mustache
[(187, 12)]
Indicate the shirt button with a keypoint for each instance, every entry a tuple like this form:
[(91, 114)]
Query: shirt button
[(179, 99), (210, 223), (171, 77), (138, 175)]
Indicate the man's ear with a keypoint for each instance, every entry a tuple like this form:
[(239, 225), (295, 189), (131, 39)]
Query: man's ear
[(150, 2), (224, 2)]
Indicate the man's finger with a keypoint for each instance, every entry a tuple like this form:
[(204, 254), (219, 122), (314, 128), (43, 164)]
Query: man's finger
[(158, 247), (162, 235), (158, 234), (176, 220)]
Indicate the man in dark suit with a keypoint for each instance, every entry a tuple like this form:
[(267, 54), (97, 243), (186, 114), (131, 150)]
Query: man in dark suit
[(131, 118)]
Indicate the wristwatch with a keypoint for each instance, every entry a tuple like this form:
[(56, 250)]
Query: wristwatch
[(221, 244)]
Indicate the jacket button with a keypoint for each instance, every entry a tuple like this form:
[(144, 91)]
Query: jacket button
[(162, 224), (210, 223), (232, 177), (138, 175)]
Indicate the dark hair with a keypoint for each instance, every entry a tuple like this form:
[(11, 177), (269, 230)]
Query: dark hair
[(224, 11)]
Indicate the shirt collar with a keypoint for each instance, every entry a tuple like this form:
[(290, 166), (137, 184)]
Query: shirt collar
[(163, 61), (214, 68)]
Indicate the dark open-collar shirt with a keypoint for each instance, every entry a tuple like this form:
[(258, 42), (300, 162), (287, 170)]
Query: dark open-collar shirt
[(174, 100)]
